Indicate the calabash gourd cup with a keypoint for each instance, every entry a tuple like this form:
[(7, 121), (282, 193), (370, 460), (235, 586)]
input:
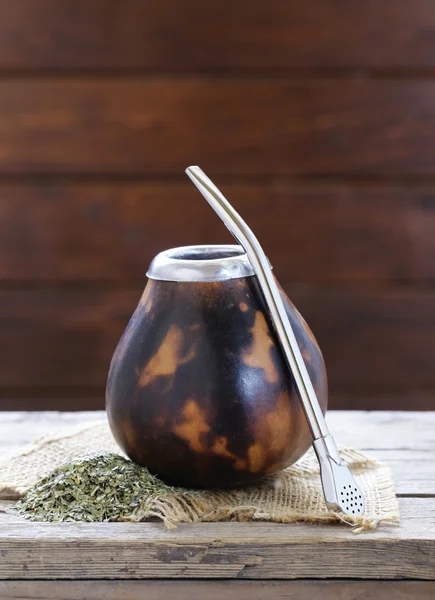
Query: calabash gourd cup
[(198, 389)]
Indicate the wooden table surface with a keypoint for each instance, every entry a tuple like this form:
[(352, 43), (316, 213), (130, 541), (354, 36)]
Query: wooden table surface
[(259, 560)]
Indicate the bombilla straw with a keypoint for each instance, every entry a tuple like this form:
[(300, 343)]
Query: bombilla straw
[(339, 486), (260, 264)]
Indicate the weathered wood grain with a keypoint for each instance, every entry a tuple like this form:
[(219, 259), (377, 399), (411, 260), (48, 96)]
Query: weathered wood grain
[(413, 472), (386, 436), (370, 339), (377, 431), (210, 590), (314, 233), (384, 430), (236, 550), (368, 127), (221, 550), (212, 36), (17, 429)]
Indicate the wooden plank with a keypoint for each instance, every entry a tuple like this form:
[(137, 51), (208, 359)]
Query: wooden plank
[(77, 398), (371, 340), (232, 590), (221, 550), (7, 514), (368, 127), (413, 472), (61, 337), (383, 435), (247, 550), (374, 431), (50, 398), (17, 429), (405, 399), (379, 339), (315, 233), (156, 35), (384, 430)]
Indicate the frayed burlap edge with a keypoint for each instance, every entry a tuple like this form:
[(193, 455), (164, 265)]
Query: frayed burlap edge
[(288, 497), (22, 469), (293, 495)]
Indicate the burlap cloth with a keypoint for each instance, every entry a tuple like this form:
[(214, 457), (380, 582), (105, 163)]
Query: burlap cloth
[(291, 495)]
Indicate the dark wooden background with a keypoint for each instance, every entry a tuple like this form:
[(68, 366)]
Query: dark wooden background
[(317, 119)]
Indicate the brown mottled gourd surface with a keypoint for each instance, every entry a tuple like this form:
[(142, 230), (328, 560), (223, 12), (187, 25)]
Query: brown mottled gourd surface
[(198, 389)]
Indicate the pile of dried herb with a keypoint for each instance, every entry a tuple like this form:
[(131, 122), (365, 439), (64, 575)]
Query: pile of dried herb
[(103, 487)]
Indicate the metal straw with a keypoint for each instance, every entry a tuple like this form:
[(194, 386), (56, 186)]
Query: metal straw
[(339, 486)]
